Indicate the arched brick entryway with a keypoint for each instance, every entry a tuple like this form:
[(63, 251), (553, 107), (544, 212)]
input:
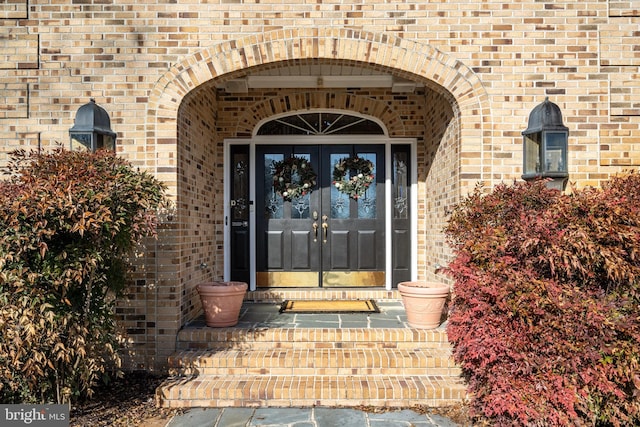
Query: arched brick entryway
[(191, 168), (408, 59)]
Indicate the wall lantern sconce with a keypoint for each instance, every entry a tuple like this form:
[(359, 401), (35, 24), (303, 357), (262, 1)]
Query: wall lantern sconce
[(92, 129), (545, 144)]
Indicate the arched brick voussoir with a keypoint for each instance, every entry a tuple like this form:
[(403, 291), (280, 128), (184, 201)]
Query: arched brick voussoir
[(319, 100)]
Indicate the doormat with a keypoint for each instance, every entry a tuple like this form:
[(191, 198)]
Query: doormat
[(324, 306)]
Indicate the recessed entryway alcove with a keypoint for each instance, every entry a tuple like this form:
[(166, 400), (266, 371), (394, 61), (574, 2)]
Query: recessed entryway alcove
[(418, 95)]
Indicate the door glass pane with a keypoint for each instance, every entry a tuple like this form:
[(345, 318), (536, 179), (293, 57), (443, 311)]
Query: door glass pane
[(339, 200), (400, 188), (240, 187), (300, 205), (367, 203), (321, 124), (273, 202)]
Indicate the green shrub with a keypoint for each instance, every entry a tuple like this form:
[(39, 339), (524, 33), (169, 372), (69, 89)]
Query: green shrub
[(545, 320), (68, 221)]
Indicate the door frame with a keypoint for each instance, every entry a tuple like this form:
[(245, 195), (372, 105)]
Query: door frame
[(321, 140)]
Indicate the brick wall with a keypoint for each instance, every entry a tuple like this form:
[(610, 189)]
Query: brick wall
[(484, 66), (200, 198)]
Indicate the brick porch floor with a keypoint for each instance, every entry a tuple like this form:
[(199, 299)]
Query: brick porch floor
[(288, 360)]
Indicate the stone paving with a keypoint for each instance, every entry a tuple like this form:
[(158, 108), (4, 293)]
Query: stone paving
[(267, 315), (304, 417)]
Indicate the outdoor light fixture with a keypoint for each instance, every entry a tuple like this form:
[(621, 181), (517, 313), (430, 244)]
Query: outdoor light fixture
[(92, 129), (545, 144)]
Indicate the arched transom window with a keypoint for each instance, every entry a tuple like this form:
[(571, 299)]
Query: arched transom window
[(320, 123)]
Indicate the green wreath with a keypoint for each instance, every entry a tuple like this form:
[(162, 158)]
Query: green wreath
[(360, 179), (293, 177)]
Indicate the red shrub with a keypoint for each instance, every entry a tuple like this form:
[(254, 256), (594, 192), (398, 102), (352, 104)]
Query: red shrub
[(545, 317), (68, 223)]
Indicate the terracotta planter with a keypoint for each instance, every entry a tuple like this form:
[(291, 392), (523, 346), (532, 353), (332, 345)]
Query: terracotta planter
[(423, 302), (221, 302)]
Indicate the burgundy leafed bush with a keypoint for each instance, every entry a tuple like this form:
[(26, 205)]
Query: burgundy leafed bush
[(545, 321)]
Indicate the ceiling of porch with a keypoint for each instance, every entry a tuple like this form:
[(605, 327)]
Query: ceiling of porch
[(308, 75)]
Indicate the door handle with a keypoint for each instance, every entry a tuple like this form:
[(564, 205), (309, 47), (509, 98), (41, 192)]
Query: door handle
[(325, 227), (315, 231)]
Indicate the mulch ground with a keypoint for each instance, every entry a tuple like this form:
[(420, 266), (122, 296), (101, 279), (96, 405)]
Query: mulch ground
[(130, 401), (459, 414)]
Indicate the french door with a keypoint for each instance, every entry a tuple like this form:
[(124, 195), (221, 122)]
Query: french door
[(325, 238)]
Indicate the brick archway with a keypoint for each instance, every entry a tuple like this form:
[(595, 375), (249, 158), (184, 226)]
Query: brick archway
[(319, 100), (463, 144), (409, 59)]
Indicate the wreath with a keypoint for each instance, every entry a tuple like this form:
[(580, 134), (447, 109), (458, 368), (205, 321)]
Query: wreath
[(360, 179), (293, 177)]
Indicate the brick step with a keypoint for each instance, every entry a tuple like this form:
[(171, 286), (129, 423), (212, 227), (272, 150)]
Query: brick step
[(202, 338), (311, 390), (315, 362), (284, 360)]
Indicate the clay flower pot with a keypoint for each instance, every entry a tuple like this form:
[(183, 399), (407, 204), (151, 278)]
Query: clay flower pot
[(423, 302), (221, 302)]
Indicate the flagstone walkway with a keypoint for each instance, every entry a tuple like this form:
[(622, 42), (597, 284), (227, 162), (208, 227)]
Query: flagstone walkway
[(305, 417)]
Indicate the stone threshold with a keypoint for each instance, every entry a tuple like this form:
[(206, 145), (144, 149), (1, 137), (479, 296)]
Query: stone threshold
[(281, 294)]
